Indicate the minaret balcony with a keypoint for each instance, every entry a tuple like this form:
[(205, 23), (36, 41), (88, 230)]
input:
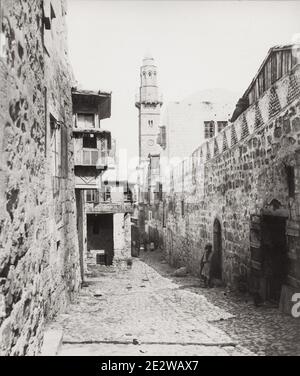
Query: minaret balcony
[(148, 100)]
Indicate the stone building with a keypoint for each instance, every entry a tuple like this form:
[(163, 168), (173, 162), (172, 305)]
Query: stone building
[(92, 146), (104, 204), (188, 123), (39, 258), (108, 213), (240, 190)]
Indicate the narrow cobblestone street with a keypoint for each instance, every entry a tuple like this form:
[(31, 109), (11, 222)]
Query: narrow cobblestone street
[(145, 311)]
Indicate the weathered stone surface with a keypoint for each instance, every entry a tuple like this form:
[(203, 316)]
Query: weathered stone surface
[(38, 242), (246, 181)]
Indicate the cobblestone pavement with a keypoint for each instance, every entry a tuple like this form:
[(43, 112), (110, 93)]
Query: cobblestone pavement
[(146, 311), (262, 330), (139, 312)]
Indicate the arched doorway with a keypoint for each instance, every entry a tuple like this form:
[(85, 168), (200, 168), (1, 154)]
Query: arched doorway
[(216, 265)]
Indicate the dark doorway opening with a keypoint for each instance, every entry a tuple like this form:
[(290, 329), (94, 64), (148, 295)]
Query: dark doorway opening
[(216, 262), (100, 237), (274, 256)]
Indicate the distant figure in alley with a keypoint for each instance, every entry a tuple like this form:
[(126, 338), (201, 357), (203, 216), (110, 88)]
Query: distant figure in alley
[(205, 265)]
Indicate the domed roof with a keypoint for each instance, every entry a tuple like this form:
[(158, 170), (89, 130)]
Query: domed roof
[(148, 59)]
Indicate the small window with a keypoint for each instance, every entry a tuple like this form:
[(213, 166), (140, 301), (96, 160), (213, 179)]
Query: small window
[(209, 129), (85, 120), (182, 207), (92, 195), (101, 259), (89, 142), (107, 194), (290, 170), (150, 215)]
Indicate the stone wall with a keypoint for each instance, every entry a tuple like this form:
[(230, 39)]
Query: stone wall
[(39, 262), (122, 237), (236, 177)]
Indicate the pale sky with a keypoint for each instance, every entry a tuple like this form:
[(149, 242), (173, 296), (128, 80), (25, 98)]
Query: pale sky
[(197, 45)]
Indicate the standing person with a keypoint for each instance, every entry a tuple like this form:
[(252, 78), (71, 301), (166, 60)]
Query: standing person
[(205, 265)]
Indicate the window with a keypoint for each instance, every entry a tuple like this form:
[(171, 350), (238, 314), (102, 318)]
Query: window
[(162, 137), (209, 129), (48, 30), (107, 193), (90, 157), (92, 195), (89, 141), (150, 215), (101, 258), (290, 171), (182, 208), (85, 121), (150, 123), (221, 125)]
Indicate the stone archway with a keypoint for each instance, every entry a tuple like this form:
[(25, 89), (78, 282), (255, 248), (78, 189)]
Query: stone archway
[(217, 259)]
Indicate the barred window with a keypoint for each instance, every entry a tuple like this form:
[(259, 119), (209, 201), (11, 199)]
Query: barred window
[(209, 129)]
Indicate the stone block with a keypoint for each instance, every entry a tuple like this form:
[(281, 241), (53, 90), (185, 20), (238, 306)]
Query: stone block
[(52, 342)]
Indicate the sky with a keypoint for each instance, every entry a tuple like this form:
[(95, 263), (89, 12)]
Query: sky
[(197, 45)]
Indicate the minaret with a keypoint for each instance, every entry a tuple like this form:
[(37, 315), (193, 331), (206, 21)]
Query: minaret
[(148, 103)]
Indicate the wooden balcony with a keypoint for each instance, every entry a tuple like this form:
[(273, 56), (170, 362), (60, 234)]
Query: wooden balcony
[(100, 202), (108, 207), (92, 157)]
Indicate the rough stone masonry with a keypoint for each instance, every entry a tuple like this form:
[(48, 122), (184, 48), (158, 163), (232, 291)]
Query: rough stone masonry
[(235, 179), (39, 263)]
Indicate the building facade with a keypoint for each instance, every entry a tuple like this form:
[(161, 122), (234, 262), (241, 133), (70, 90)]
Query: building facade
[(39, 257), (104, 204), (240, 190), (188, 123)]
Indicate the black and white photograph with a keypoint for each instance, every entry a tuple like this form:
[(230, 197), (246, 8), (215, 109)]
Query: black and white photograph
[(149, 181)]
